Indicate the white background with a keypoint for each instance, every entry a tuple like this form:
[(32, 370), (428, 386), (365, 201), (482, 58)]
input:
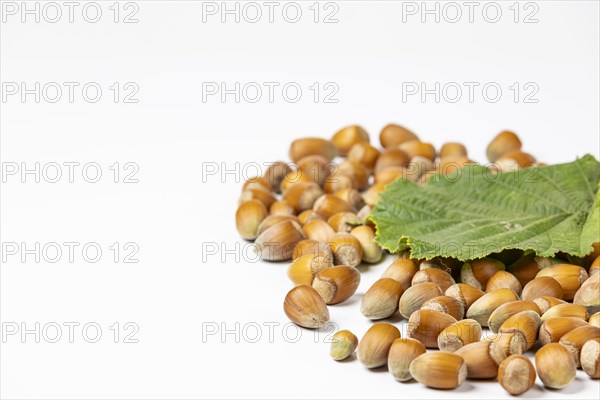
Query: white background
[(178, 289)]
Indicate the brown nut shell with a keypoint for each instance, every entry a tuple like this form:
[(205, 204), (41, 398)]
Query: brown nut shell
[(504, 142), (375, 345), (464, 293), (347, 137), (552, 329), (516, 374), (590, 358), (555, 366), (304, 307), (575, 340), (459, 334), (426, 325), (381, 300), (542, 286), (248, 218), (415, 296), (277, 242), (402, 353), (401, 270), (481, 309), (336, 284), (346, 249), (570, 277), (392, 135), (312, 146), (343, 345), (439, 370)]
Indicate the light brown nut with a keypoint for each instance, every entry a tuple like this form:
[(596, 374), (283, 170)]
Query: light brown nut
[(375, 345), (552, 329), (575, 340), (459, 334), (312, 146), (415, 296), (277, 242), (402, 353), (426, 326), (516, 374), (248, 218), (381, 300), (336, 284), (304, 307), (555, 366), (439, 370), (590, 358), (542, 286), (343, 345), (481, 309), (347, 137), (464, 293), (401, 270), (570, 277)]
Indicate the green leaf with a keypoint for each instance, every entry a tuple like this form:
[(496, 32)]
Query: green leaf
[(474, 212)]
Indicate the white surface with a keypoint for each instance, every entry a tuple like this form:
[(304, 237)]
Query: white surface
[(172, 294)]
